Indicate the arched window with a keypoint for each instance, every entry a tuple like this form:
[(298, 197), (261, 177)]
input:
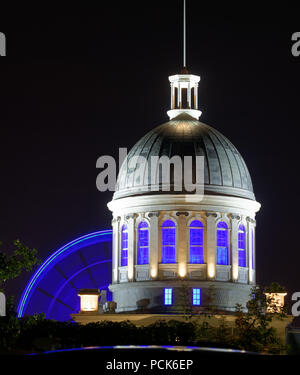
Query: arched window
[(168, 242), (124, 246), (143, 243), (222, 243), (196, 242), (242, 246)]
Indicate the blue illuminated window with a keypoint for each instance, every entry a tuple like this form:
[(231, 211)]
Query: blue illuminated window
[(242, 246), (222, 243), (143, 243), (124, 246), (168, 296), (168, 238), (196, 296), (196, 242)]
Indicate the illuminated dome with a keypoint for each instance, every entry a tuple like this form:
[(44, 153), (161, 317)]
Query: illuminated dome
[(225, 172), (166, 230)]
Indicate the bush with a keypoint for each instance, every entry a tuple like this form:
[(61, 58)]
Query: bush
[(252, 332), (172, 332), (9, 332), (35, 333)]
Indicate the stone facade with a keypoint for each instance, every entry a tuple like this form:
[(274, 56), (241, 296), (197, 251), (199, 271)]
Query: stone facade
[(135, 284)]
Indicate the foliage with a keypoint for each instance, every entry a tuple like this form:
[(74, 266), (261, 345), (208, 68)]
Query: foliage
[(275, 288), (172, 332), (9, 332), (22, 258), (35, 333), (183, 300), (210, 300), (253, 330), (250, 331), (10, 306)]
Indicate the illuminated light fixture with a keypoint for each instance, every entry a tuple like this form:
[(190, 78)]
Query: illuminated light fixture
[(250, 277), (153, 272), (276, 301), (235, 272), (89, 300), (130, 274), (182, 270), (211, 270)]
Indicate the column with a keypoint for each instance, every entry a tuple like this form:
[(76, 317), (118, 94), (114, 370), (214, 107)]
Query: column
[(154, 245), (250, 248), (189, 97), (196, 96), (131, 246), (182, 248), (234, 246), (179, 104), (116, 249), (254, 251), (172, 96), (211, 244)]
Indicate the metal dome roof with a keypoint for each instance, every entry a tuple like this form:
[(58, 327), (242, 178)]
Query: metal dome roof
[(225, 172)]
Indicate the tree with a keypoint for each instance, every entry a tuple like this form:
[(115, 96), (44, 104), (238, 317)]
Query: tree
[(184, 303), (22, 259), (211, 300), (275, 288), (253, 328)]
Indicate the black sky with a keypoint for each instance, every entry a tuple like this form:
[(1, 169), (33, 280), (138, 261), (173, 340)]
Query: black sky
[(73, 88)]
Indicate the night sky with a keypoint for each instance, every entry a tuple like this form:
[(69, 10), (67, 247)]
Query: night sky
[(73, 88)]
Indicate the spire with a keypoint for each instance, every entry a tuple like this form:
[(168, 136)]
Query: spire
[(184, 35), (184, 86)]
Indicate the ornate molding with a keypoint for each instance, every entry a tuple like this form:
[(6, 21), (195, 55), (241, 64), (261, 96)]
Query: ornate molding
[(211, 214), (154, 213), (130, 216), (250, 220), (235, 216), (186, 202), (185, 213)]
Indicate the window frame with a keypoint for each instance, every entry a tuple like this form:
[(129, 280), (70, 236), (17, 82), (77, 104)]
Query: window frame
[(162, 246), (121, 245), (138, 247), (227, 242), (240, 249), (190, 227), (196, 297)]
